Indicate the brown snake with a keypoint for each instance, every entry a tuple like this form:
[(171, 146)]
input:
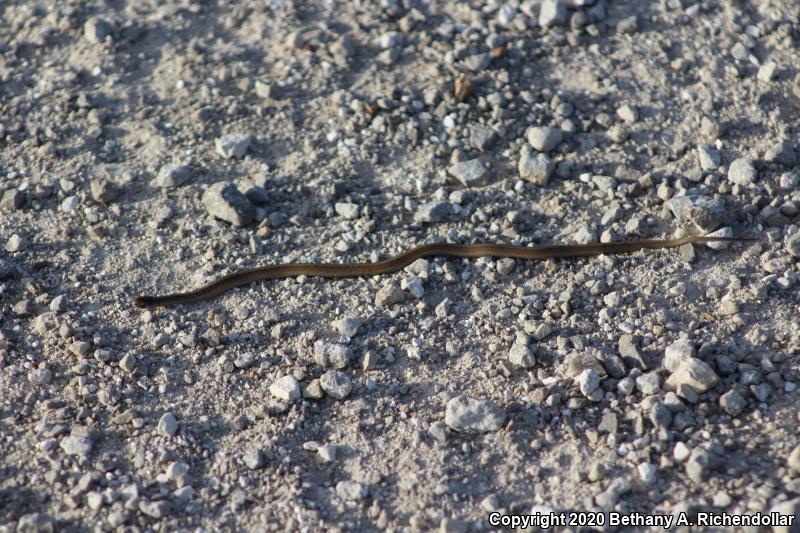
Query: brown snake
[(387, 266)]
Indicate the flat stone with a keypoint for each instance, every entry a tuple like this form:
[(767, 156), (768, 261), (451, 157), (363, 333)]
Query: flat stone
[(793, 461), (473, 415), (40, 376), (789, 509), (224, 201), (157, 510), (347, 326), (792, 245), (649, 383), (588, 382), (608, 423), (16, 243), (263, 90), (389, 295), (34, 523)]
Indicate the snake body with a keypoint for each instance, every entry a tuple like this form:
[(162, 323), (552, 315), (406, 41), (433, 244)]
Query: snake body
[(400, 261)]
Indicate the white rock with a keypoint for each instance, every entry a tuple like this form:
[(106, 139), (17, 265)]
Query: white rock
[(285, 388)]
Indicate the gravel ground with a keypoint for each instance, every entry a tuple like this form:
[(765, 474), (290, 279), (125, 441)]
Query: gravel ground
[(148, 147)]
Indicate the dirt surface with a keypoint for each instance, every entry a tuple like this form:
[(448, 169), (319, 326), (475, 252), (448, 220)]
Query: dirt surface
[(149, 147)]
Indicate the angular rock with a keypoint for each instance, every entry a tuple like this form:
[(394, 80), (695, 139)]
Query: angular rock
[(677, 352), (351, 490), (694, 373), (34, 523), (708, 157), (521, 355), (481, 137), (224, 201), (389, 295), (629, 351), (347, 210), (535, 168), (732, 402), (706, 213), (103, 191)]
